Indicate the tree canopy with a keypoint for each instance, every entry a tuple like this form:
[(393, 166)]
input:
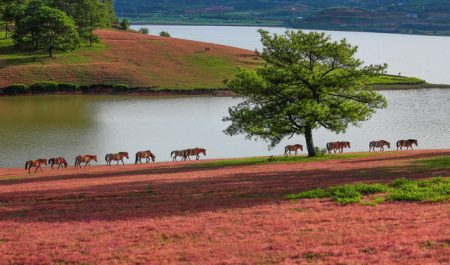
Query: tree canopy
[(308, 81), (83, 15), (43, 27)]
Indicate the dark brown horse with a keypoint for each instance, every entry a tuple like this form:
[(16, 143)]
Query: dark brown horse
[(148, 155), (406, 143), (293, 148), (184, 154), (337, 146), (84, 159), (60, 161), (195, 152), (379, 144), (116, 157), (35, 163)]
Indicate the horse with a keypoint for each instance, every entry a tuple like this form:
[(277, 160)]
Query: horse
[(84, 159), (290, 148), (60, 161), (182, 153), (144, 154), (195, 152), (337, 146), (406, 143), (379, 144), (35, 163), (116, 157)]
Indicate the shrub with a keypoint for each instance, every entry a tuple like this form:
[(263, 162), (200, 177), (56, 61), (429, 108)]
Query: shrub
[(120, 88), (124, 24), (43, 87), (164, 34), (16, 89), (85, 89), (144, 30), (432, 190), (68, 87)]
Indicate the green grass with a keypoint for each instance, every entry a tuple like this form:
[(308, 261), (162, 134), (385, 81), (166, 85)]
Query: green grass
[(393, 80), (442, 162), (429, 190), (279, 159)]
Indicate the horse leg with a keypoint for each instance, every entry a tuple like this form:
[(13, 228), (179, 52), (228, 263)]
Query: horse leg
[(197, 157), (122, 162)]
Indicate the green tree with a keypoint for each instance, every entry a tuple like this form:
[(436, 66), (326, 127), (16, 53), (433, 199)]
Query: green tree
[(308, 81), (144, 30), (43, 27), (124, 24), (7, 13), (90, 15), (164, 34)]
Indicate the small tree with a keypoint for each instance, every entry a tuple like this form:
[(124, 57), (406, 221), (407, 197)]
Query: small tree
[(144, 30), (124, 24), (46, 28), (307, 82), (164, 34)]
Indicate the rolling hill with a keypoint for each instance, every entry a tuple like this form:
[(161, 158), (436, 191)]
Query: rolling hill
[(129, 58)]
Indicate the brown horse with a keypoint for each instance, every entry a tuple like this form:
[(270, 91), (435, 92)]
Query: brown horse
[(84, 159), (406, 143), (293, 148), (337, 146), (60, 161), (179, 153), (195, 152), (144, 154), (379, 144), (116, 157), (35, 163)]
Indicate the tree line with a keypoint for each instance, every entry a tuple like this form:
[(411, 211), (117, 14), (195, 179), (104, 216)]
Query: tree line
[(51, 25)]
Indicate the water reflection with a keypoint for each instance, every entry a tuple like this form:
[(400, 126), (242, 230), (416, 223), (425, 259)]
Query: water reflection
[(70, 125)]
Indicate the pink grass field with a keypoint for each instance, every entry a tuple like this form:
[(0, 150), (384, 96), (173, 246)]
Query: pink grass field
[(197, 214)]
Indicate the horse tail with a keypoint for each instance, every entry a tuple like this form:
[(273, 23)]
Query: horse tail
[(64, 162), (50, 161), (136, 158), (398, 143), (26, 165), (329, 147), (286, 149), (171, 154), (106, 157)]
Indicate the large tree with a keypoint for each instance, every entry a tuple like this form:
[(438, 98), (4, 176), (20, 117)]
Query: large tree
[(308, 81), (43, 27)]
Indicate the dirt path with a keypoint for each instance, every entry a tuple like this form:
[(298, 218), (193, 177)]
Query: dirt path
[(180, 213)]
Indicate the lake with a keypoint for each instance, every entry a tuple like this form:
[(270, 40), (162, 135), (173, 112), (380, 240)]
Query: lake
[(46, 126), (427, 57)]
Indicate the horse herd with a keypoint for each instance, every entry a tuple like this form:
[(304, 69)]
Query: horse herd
[(340, 146), (187, 153), (61, 162)]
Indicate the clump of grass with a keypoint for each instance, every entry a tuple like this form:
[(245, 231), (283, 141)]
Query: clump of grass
[(430, 190), (149, 190)]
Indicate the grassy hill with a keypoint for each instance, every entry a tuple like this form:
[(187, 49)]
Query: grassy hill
[(129, 58), (143, 61)]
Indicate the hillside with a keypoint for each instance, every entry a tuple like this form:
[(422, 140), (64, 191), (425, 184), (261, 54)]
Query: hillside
[(130, 58), (408, 16)]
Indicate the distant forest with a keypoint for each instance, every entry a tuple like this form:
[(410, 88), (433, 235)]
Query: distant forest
[(406, 16)]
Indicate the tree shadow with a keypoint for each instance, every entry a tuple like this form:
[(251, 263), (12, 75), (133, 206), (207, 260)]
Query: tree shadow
[(174, 196)]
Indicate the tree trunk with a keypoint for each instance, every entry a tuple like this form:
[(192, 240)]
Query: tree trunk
[(50, 51), (310, 142), (6, 30)]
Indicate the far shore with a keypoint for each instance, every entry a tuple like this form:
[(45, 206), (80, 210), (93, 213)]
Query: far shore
[(215, 92)]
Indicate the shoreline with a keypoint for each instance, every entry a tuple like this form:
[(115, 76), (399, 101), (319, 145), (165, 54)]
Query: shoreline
[(214, 92), (236, 161)]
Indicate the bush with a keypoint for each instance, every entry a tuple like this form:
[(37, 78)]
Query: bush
[(164, 34), (44, 87), (124, 24), (68, 87), (85, 89), (144, 30), (16, 89), (120, 88), (366, 189), (432, 190)]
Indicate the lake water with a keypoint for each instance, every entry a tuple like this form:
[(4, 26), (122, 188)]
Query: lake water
[(427, 57), (46, 126)]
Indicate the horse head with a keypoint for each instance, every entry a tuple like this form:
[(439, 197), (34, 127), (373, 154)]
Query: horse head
[(94, 157)]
